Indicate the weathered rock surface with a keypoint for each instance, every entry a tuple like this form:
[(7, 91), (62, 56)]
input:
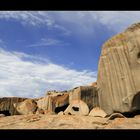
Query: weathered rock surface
[(97, 112), (94, 84), (53, 101), (28, 106), (39, 121), (40, 111), (77, 107), (88, 94), (43, 103), (7, 104), (60, 101), (118, 81)]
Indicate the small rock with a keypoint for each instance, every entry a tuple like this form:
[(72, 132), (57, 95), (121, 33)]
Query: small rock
[(2, 115), (137, 116), (61, 113), (97, 112)]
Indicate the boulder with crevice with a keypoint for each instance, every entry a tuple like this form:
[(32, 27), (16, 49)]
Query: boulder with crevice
[(53, 101), (77, 107)]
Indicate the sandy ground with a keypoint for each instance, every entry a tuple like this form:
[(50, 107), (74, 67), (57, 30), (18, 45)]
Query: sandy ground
[(67, 122)]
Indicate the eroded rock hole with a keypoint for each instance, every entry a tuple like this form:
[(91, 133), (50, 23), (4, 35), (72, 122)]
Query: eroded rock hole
[(131, 114), (69, 113), (59, 95), (138, 57), (75, 108), (136, 102), (5, 112), (135, 105), (62, 108)]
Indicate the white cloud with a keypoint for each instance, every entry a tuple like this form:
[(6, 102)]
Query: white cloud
[(48, 42), (85, 22), (118, 20), (34, 18), (79, 22), (32, 79)]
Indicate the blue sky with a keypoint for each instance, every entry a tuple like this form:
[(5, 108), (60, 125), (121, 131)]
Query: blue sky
[(41, 51)]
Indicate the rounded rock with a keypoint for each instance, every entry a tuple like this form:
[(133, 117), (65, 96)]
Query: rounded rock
[(97, 112), (77, 107)]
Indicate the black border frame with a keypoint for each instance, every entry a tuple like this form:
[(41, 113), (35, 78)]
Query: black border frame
[(85, 5)]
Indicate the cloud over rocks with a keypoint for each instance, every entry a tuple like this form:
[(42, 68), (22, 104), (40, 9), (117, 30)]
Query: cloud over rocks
[(33, 77)]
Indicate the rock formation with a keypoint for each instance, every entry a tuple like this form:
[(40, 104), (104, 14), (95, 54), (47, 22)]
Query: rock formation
[(88, 94), (43, 103), (40, 111), (7, 105), (77, 107), (97, 112), (28, 106), (117, 88), (115, 115), (54, 101), (118, 81), (94, 84)]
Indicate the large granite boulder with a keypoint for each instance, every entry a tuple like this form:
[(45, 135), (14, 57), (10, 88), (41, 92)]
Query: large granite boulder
[(118, 81)]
